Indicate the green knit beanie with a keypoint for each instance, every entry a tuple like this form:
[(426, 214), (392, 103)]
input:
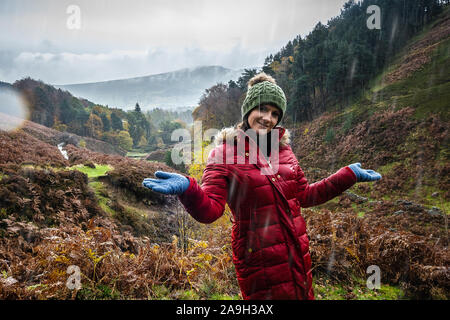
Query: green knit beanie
[(262, 89)]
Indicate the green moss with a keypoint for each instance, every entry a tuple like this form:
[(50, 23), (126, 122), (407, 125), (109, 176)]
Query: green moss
[(326, 288), (102, 196), (385, 292), (98, 292), (330, 136), (187, 295), (98, 171), (428, 200), (133, 154), (3, 213), (137, 219), (427, 90), (388, 168), (219, 296), (160, 292)]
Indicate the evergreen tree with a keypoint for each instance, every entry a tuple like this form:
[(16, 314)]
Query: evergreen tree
[(137, 108)]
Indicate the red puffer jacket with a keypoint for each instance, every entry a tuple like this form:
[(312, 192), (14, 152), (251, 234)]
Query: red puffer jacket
[(269, 240)]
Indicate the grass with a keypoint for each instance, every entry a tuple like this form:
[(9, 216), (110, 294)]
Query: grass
[(427, 90), (134, 154), (102, 196), (98, 171), (99, 188), (326, 288), (429, 201), (384, 170), (160, 292)]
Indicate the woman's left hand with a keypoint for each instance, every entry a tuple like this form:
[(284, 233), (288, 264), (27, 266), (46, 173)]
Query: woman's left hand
[(363, 175)]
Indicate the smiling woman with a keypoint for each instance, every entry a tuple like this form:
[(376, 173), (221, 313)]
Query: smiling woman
[(269, 240), (264, 118)]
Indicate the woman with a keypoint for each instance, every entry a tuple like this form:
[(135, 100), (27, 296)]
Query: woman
[(269, 240)]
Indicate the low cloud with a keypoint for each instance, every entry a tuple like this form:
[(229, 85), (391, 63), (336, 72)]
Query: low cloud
[(67, 68)]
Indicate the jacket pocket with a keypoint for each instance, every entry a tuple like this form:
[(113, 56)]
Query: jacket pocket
[(252, 251)]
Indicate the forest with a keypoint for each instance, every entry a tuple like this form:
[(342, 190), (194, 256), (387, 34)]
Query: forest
[(332, 66), (130, 130)]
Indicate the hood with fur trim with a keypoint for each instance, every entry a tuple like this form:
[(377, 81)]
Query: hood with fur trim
[(230, 133)]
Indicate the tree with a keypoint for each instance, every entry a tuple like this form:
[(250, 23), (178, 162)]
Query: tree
[(167, 127), (137, 108), (124, 140), (243, 79), (138, 126), (116, 122), (106, 122), (94, 126)]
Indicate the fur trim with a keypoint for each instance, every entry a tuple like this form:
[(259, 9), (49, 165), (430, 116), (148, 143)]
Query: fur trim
[(230, 133), (260, 77)]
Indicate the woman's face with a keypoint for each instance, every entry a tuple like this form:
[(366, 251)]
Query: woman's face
[(263, 118)]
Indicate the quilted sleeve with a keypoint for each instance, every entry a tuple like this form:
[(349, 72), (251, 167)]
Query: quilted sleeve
[(206, 203), (326, 189)]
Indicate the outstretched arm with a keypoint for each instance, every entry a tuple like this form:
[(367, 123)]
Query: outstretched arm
[(320, 192), (206, 204), (328, 188)]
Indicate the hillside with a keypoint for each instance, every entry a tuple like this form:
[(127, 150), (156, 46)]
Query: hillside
[(112, 129), (54, 137), (400, 125), (91, 211), (182, 88)]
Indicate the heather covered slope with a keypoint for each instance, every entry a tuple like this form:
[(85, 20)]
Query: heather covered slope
[(90, 211), (54, 137), (399, 127)]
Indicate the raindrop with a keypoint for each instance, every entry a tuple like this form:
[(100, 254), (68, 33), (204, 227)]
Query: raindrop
[(353, 68), (331, 261), (13, 110)]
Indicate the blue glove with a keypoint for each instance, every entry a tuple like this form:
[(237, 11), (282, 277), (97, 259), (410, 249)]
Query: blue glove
[(363, 175), (168, 183)]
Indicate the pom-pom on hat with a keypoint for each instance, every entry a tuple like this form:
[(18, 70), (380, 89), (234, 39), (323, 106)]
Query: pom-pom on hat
[(262, 89)]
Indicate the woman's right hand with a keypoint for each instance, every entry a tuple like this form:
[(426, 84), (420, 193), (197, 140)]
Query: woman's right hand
[(168, 183)]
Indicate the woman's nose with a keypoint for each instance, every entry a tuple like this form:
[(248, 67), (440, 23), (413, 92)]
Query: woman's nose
[(267, 117)]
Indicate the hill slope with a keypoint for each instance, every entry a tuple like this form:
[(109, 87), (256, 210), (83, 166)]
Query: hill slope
[(400, 125)]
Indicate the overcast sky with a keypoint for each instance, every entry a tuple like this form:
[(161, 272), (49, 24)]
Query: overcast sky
[(121, 39)]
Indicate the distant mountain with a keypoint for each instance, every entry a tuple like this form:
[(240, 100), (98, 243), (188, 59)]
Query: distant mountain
[(181, 88)]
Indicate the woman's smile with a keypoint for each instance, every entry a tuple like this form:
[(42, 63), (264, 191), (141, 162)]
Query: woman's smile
[(262, 119)]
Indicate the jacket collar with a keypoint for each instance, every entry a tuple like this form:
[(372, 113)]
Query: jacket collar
[(228, 135)]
